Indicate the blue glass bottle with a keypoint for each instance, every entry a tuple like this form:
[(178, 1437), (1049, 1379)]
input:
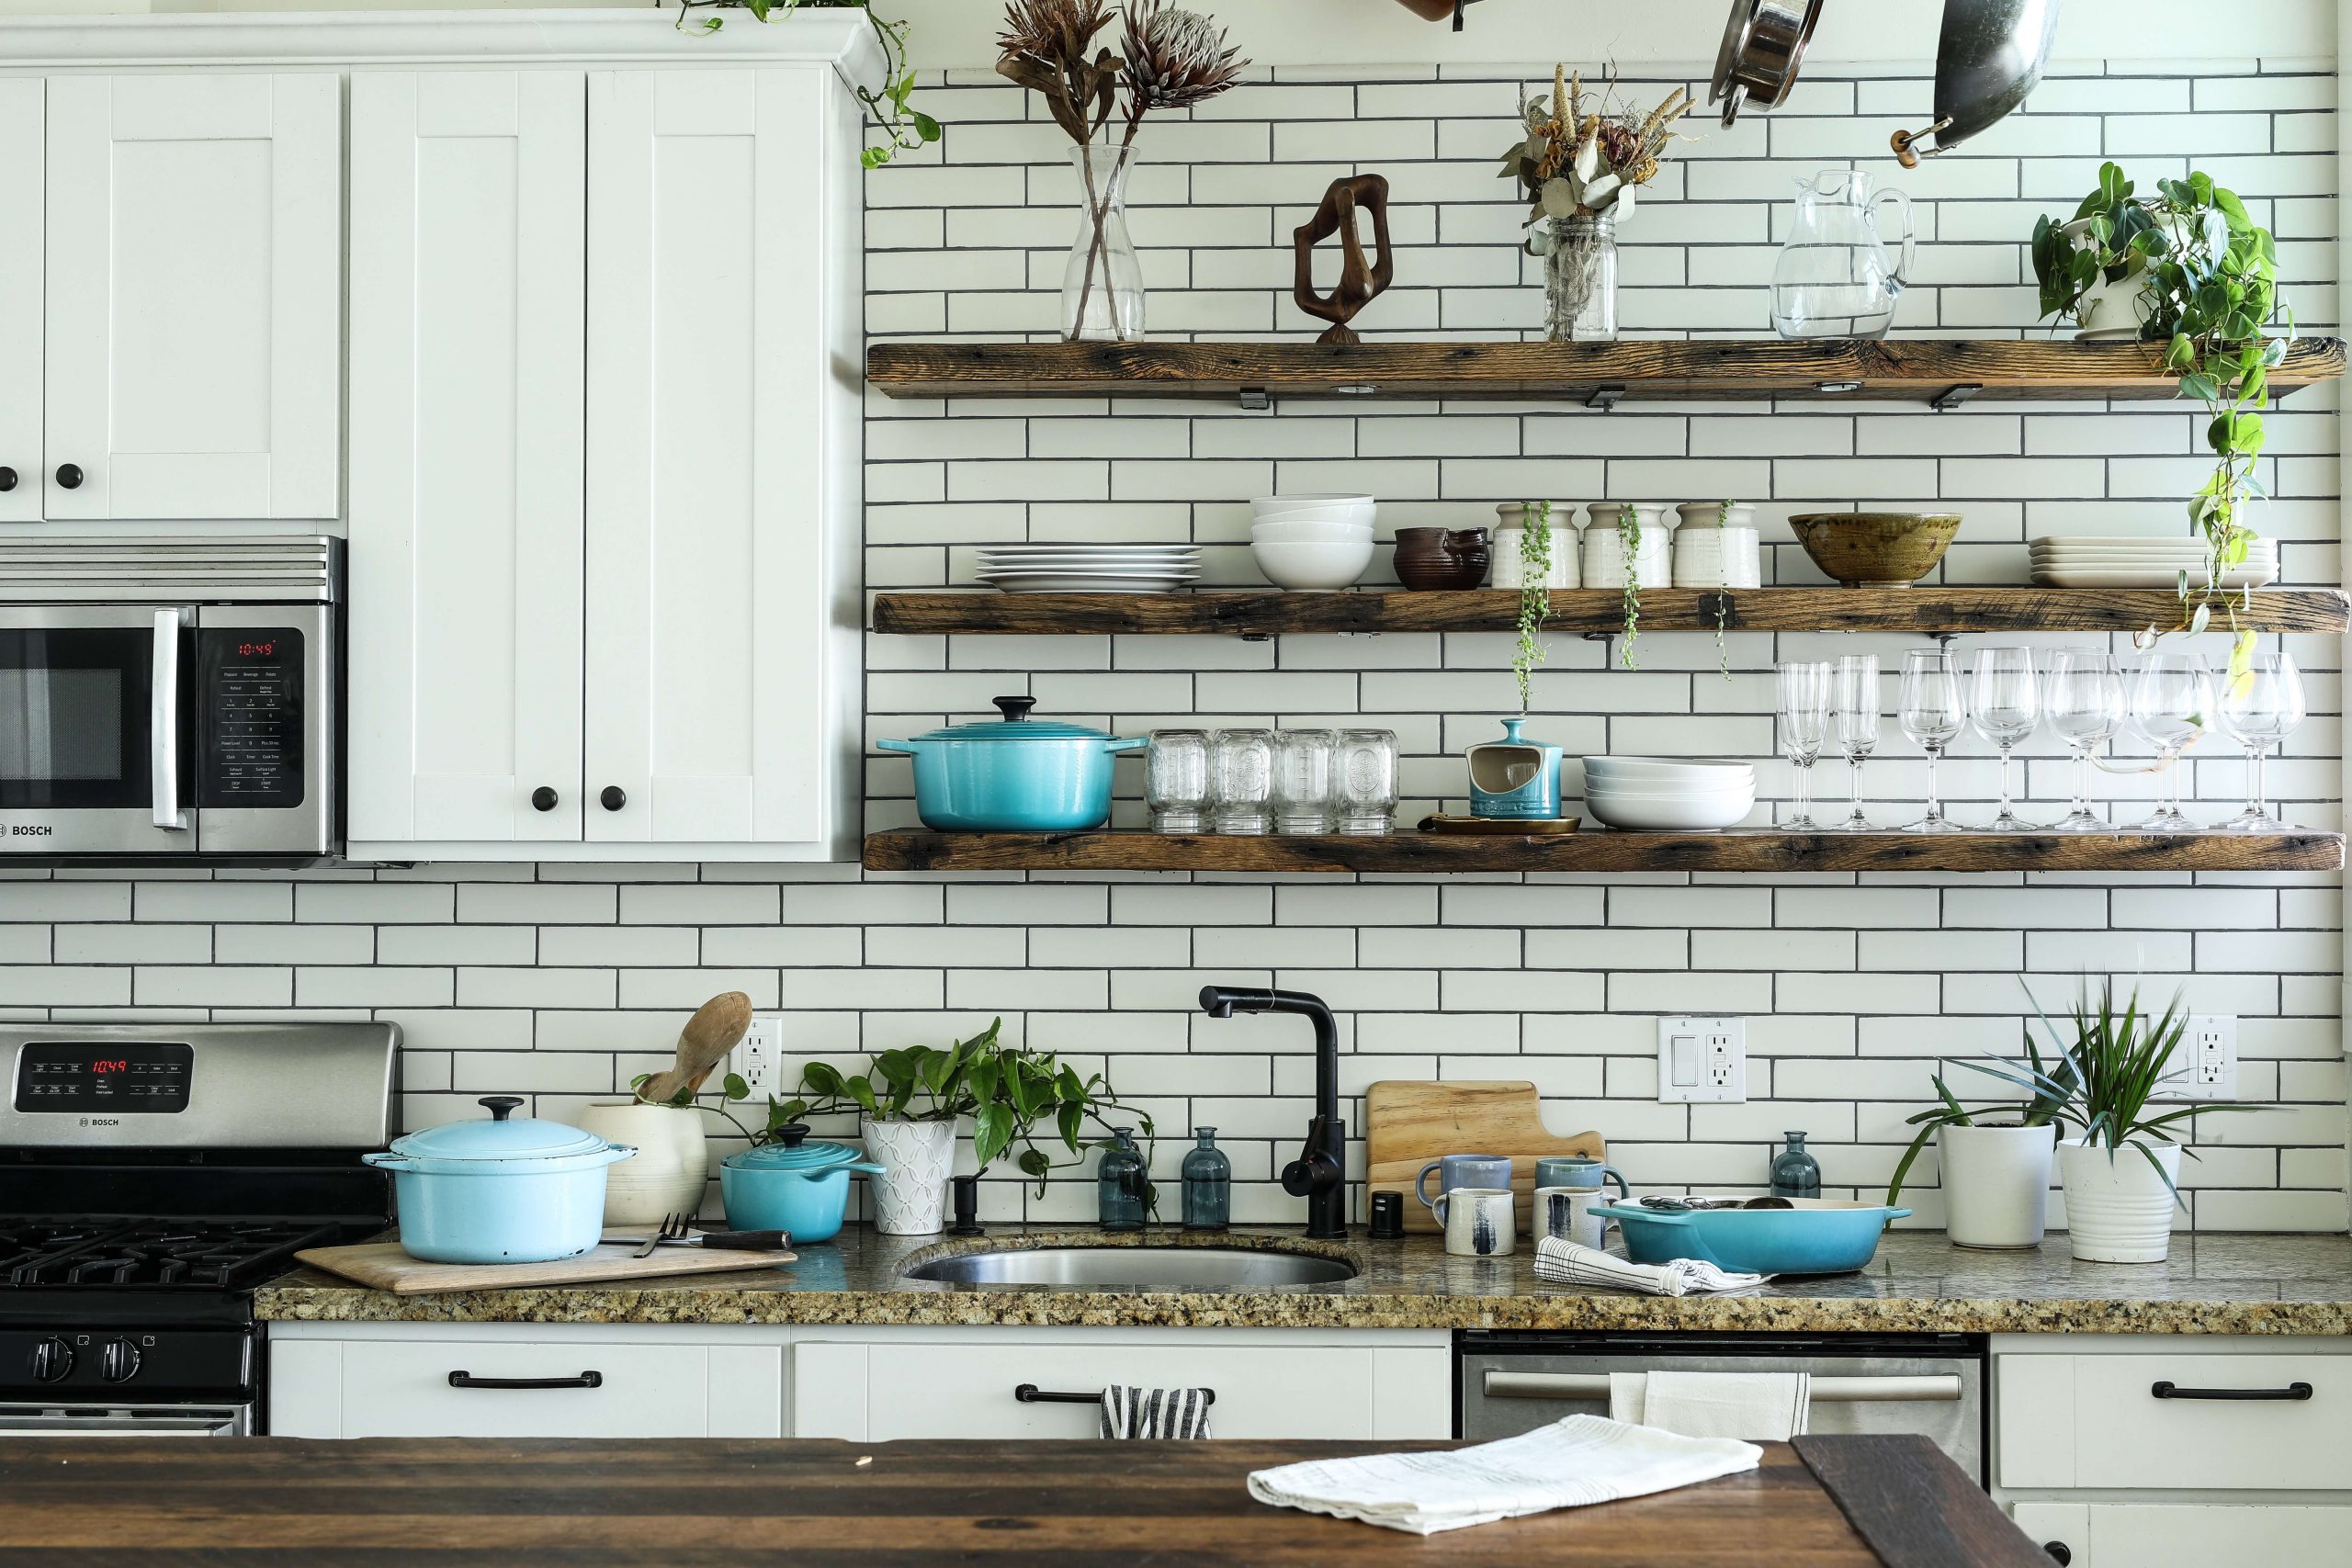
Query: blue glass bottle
[(1120, 1181), (1208, 1185), (1796, 1174)]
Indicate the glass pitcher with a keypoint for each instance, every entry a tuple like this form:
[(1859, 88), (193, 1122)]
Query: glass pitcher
[(1834, 277)]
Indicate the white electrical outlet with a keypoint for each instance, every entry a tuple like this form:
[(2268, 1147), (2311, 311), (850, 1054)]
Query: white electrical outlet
[(2204, 1065), (758, 1057), (1703, 1061)]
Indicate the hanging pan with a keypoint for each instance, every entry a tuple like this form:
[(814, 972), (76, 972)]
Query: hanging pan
[(1990, 57)]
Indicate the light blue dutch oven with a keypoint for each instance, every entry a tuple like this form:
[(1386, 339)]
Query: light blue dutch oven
[(501, 1191), (792, 1185), (1817, 1235), (1016, 774)]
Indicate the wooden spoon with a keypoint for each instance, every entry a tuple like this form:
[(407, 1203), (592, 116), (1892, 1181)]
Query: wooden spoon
[(716, 1028)]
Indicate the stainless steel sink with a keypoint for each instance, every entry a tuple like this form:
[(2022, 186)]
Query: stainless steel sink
[(1135, 1268)]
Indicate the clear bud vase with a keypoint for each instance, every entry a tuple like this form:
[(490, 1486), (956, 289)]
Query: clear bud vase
[(1102, 282), (1581, 279)]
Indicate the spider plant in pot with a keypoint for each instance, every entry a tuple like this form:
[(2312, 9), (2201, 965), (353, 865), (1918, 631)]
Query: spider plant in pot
[(1993, 1161)]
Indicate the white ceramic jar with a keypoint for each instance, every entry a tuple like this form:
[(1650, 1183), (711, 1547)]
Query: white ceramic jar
[(667, 1175), (917, 1159), (1510, 541), (1717, 545), (1995, 1184), (1604, 553), (2118, 1208)]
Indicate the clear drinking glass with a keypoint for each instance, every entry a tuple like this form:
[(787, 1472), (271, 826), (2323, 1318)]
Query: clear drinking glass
[(1932, 710), (2259, 710), (1302, 780), (1364, 781), (1176, 781), (1854, 720), (2086, 707), (2005, 709), (2171, 706), (1806, 688), (1241, 781)]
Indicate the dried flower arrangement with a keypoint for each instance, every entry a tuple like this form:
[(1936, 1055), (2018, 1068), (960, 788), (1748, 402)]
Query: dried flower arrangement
[(1578, 161)]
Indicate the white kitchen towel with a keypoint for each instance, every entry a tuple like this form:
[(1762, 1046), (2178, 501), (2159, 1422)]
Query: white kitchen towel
[(1566, 1263), (1758, 1408), (1155, 1413), (1575, 1460)]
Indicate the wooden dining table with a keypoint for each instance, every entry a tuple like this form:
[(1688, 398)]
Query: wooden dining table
[(1842, 1502)]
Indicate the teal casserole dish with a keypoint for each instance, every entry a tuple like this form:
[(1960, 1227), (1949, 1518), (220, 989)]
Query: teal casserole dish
[(1813, 1236), (1016, 774)]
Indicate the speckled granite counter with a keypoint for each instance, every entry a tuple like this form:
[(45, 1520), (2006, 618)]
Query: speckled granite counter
[(2213, 1284)]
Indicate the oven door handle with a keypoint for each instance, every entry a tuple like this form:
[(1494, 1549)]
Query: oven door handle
[(1933, 1388), (202, 1422), (164, 723)]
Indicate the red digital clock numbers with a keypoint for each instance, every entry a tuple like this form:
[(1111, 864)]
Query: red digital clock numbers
[(257, 650), (102, 1068)]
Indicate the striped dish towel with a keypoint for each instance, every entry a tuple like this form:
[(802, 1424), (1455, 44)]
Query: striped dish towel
[(1566, 1263), (1154, 1413)]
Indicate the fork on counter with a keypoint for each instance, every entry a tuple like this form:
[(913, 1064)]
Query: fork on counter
[(674, 1227)]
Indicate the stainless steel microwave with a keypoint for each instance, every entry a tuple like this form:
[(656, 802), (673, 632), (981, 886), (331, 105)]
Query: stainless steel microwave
[(169, 697)]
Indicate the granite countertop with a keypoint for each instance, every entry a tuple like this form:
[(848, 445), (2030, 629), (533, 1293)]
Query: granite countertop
[(1918, 1283)]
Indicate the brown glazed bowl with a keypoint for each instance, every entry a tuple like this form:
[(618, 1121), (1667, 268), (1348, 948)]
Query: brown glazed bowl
[(1432, 559), (1876, 549)]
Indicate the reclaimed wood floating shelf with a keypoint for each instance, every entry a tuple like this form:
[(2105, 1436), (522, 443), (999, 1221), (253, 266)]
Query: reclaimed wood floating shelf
[(1763, 850), (1938, 371), (1916, 611)]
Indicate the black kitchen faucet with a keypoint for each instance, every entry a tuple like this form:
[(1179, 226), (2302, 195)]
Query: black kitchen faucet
[(1320, 1173)]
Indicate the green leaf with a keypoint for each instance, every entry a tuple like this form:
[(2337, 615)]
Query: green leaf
[(926, 127), (1036, 1163), (992, 1133), (733, 1086), (822, 1079), (1068, 1120)]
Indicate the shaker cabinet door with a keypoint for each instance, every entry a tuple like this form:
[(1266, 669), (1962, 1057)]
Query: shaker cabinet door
[(193, 294), (468, 278), (21, 178)]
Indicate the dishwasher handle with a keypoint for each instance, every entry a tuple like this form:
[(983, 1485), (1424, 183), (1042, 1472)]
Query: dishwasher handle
[(1936, 1388)]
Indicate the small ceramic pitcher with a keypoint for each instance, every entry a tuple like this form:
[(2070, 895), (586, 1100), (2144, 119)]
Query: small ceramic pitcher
[(1479, 1222), (1430, 559)]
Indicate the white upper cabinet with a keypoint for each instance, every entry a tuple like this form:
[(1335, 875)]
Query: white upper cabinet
[(468, 274), (193, 275), (21, 174)]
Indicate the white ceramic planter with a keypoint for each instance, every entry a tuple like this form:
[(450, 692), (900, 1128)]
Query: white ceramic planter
[(1510, 564), (2117, 1211), (917, 1157), (668, 1173), (1995, 1184)]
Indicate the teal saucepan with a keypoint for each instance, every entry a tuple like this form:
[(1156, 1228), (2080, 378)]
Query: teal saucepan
[(1016, 774), (1813, 1236), (796, 1184)]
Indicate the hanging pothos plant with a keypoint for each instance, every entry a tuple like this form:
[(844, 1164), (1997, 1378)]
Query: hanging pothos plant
[(903, 127), (1535, 595), (2209, 289)]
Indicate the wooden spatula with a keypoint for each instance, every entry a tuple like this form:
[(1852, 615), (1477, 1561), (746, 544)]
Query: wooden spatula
[(716, 1028)]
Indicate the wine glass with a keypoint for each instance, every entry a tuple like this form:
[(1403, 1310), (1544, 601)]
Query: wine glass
[(2086, 705), (2258, 710), (2171, 707), (1804, 690), (2006, 707), (1854, 721), (1932, 711)]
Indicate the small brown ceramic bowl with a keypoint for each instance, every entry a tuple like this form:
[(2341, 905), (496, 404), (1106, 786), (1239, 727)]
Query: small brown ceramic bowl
[(1876, 549), (1436, 559)]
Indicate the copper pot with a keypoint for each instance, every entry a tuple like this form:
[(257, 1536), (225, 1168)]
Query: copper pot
[(1435, 558)]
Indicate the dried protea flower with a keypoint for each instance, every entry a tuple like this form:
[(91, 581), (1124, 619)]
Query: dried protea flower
[(1052, 34), (1175, 58)]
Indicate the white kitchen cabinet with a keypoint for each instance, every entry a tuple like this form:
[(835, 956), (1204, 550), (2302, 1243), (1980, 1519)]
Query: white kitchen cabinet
[(192, 279), (2191, 1535), (22, 135)]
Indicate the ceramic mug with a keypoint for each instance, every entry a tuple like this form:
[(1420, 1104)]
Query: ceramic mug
[(1477, 1220), (1462, 1170), (1566, 1214), (1578, 1170)]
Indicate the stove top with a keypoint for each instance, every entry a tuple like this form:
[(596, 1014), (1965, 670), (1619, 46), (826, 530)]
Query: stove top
[(188, 1255)]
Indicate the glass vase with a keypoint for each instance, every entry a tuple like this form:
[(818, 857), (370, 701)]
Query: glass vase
[(1121, 1183), (1103, 281), (1208, 1185), (1581, 280)]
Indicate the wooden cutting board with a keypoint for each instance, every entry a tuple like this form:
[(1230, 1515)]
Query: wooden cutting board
[(1409, 1122), (383, 1265)]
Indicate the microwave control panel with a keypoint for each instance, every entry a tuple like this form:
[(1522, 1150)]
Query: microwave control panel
[(119, 1078), (251, 691)]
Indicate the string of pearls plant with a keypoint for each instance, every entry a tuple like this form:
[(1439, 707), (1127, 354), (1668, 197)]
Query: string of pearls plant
[(1535, 595), (1628, 547)]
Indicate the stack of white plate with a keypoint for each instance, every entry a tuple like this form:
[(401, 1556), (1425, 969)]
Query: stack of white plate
[(2087, 561), (1089, 568), (1669, 792), (1312, 543)]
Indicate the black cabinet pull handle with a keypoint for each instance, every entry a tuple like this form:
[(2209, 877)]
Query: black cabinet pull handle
[(2293, 1391), (585, 1380), (69, 476), (613, 798), (1030, 1393), (7, 479), (543, 799), (2059, 1552)]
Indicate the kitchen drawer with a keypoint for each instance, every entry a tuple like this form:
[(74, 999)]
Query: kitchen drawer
[(2143, 1535), (401, 1389), (2095, 1421)]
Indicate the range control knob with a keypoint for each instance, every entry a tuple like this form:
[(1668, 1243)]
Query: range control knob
[(52, 1359), (118, 1362)]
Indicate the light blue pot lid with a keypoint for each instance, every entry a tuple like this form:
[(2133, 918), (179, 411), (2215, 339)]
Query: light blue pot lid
[(793, 1151), (498, 1139), (1016, 724)]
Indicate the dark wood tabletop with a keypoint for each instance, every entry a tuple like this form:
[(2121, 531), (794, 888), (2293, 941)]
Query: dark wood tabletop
[(445, 1503)]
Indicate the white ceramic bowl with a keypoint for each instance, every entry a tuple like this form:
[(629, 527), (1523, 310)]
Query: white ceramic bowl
[(1336, 516), (1316, 567), (1275, 505), (1311, 533), (1647, 773), (1687, 813)]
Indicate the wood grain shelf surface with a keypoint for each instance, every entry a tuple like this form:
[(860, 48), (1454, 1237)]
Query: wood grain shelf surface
[(1900, 369), (1267, 612), (1763, 850)]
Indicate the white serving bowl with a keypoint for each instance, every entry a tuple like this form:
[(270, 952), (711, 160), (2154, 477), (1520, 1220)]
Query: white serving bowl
[(1687, 813), (1311, 533), (1276, 505), (1318, 568), (1338, 516), (1650, 773)]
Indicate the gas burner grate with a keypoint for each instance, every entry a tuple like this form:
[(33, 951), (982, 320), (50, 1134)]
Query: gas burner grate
[(188, 1255)]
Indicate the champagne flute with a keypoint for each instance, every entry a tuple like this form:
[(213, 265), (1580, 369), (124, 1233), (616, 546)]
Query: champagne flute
[(2005, 709), (2086, 710), (1932, 711), (1854, 698), (2172, 705), (2258, 710), (1804, 691)]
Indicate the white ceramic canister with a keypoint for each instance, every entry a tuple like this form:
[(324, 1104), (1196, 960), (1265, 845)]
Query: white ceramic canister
[(1604, 552), (1995, 1184), (1511, 537), (668, 1173), (917, 1159), (1717, 545)]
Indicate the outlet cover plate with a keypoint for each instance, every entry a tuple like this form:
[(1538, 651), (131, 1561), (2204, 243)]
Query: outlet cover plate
[(758, 1057), (1702, 1061), (2204, 1065)]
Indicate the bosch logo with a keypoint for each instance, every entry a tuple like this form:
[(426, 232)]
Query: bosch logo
[(31, 830), (100, 1121)]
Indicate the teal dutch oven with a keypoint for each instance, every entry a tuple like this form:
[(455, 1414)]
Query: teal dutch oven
[(510, 1189), (792, 1185), (1016, 774), (1813, 1235)]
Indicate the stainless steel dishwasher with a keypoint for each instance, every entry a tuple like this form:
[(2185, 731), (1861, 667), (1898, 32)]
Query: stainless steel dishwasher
[(1933, 1385)]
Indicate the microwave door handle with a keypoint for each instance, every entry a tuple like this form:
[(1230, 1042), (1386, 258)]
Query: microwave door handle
[(164, 723), (1944, 1387)]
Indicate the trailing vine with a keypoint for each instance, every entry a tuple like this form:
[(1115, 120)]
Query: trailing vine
[(1723, 601), (1535, 595), (903, 127), (1628, 547)]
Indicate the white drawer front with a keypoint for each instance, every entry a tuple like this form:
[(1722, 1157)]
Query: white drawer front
[(645, 1391), (2095, 1421), (2134, 1535)]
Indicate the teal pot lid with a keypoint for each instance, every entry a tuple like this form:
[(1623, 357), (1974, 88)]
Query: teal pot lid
[(502, 1138), (1016, 724), (793, 1150)]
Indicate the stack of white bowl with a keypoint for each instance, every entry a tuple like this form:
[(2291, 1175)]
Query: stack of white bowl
[(1668, 793), (1313, 542)]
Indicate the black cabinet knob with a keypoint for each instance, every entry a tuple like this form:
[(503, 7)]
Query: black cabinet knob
[(52, 1359), (7, 479), (543, 799), (613, 798), (118, 1362), (69, 476), (2059, 1551)]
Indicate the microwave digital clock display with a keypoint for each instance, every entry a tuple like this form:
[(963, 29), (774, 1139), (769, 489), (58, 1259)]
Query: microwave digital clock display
[(131, 1078)]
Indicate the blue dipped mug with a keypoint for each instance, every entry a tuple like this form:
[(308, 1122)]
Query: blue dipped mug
[(1462, 1170)]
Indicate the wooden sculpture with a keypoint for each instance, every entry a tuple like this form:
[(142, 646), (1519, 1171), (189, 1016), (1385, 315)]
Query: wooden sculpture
[(1358, 283)]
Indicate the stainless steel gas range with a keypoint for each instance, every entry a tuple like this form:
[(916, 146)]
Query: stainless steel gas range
[(150, 1178)]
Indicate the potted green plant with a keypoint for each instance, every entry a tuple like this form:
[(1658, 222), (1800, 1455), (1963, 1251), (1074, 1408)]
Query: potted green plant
[(909, 1101), (1994, 1160)]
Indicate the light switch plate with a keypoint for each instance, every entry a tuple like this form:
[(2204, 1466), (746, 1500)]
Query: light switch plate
[(1702, 1061), (758, 1057), (2204, 1065)]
